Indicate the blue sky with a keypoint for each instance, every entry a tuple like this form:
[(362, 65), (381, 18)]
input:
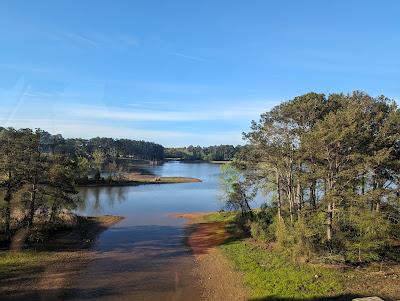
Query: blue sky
[(185, 72)]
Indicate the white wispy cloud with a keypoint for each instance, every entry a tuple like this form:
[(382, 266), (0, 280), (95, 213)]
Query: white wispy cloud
[(115, 41), (84, 129), (107, 113)]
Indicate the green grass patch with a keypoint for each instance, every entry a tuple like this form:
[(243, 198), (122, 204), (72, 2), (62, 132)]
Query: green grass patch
[(16, 266), (269, 274), (228, 217), (10, 259)]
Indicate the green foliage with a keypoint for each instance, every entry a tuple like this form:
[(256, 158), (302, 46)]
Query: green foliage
[(98, 158), (210, 153), (366, 236), (333, 165), (237, 191), (270, 274), (83, 167), (35, 184), (262, 225)]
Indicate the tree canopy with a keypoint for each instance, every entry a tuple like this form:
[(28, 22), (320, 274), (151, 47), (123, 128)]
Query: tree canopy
[(333, 165)]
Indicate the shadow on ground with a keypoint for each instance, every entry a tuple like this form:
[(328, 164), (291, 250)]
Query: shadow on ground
[(345, 297), (128, 263)]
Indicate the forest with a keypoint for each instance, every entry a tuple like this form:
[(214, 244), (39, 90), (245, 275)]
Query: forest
[(39, 173), (124, 148), (329, 168), (209, 153)]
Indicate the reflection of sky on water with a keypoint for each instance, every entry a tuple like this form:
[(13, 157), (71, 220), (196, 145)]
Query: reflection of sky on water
[(152, 204)]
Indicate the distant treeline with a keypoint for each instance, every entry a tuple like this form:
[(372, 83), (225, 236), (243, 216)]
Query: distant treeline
[(209, 153), (126, 148)]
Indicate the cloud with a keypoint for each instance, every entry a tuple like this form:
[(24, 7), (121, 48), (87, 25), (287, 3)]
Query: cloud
[(82, 129), (106, 113), (114, 41)]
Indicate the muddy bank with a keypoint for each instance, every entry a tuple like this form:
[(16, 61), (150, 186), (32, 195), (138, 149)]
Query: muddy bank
[(45, 271), (137, 179), (217, 276)]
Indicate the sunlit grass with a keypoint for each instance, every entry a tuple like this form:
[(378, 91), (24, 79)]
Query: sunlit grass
[(14, 259), (269, 274), (220, 217)]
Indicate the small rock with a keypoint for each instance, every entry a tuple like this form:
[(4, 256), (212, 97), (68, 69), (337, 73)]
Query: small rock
[(368, 299)]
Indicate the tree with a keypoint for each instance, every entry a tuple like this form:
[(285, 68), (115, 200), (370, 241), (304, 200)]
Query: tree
[(98, 159), (237, 191), (83, 167), (60, 187), (11, 175), (326, 159)]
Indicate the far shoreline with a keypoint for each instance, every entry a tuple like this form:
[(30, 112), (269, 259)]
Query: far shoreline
[(138, 179)]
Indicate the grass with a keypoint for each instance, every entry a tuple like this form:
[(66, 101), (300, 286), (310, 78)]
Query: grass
[(161, 180), (26, 262), (228, 217), (26, 257), (269, 274)]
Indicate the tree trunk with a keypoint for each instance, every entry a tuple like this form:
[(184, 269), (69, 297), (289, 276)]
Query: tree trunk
[(290, 199), (299, 200), (7, 200), (329, 223), (313, 195), (53, 212), (278, 185), (363, 184), (32, 206), (7, 217)]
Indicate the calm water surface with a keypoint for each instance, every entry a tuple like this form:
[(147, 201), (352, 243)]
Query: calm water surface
[(144, 256), (152, 204)]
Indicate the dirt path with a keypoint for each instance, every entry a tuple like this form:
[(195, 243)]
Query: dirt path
[(218, 279)]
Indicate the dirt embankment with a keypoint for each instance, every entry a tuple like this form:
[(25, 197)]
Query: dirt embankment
[(218, 279), (55, 263)]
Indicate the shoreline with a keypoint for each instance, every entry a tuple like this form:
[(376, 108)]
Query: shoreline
[(196, 161), (208, 238), (52, 266), (136, 180)]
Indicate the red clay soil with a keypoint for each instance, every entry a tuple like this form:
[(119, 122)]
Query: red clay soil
[(207, 236), (218, 279)]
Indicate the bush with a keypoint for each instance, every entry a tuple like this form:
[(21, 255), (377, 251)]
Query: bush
[(295, 241), (261, 226), (366, 236), (260, 230)]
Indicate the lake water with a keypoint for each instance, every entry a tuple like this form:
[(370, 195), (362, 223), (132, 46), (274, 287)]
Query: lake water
[(144, 256), (152, 204)]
